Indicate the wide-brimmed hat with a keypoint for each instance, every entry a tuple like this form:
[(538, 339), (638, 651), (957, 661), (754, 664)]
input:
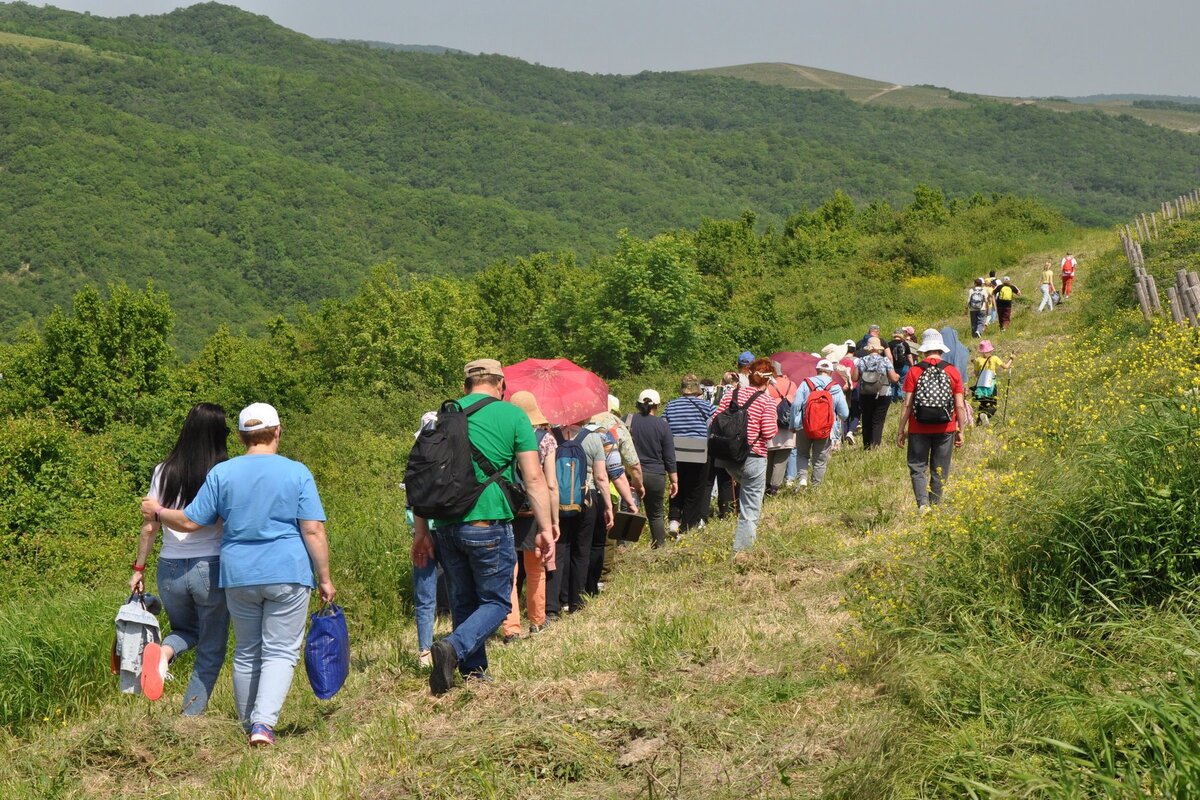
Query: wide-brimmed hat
[(834, 352), (614, 403), (985, 346), (874, 345), (689, 384), (528, 403), (931, 340)]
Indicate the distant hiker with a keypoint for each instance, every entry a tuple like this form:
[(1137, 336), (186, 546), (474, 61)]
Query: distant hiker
[(746, 460), (993, 284), (860, 346), (779, 450), (530, 569), (875, 377), (902, 359), (977, 304), (820, 403), (1068, 274), (987, 373), (656, 448), (1047, 286), (188, 564), (1006, 292), (932, 419), (848, 365), (708, 390), (274, 539), (475, 548), (744, 361), (688, 417)]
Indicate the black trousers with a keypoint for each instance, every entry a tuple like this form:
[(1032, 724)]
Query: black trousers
[(689, 505), (724, 491), (571, 558), (656, 491), (874, 415)]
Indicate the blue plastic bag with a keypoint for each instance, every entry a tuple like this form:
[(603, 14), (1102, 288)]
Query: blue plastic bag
[(327, 651)]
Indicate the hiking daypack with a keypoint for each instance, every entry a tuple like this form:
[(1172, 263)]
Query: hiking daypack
[(570, 467), (873, 382), (1005, 293), (728, 435), (819, 415), (784, 410), (933, 398), (977, 299), (1068, 266), (440, 476)]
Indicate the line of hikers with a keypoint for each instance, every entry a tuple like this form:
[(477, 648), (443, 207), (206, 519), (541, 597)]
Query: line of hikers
[(990, 299), (500, 498)]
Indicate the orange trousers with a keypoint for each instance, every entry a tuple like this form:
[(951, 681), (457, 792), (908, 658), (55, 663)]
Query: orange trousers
[(535, 594)]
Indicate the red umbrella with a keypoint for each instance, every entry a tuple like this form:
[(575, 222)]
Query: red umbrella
[(797, 366), (565, 392)]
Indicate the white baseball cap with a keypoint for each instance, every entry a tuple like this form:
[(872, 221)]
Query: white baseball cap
[(614, 403), (257, 416), (824, 365), (649, 396)]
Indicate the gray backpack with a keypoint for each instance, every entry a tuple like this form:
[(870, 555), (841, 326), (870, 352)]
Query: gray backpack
[(136, 628)]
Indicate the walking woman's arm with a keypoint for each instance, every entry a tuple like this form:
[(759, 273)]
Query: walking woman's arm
[(145, 545), (317, 544)]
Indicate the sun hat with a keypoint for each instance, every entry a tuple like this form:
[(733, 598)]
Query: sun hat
[(898, 332), (614, 403), (985, 346), (257, 416), (649, 396), (834, 352), (689, 384), (481, 367), (528, 403), (910, 330), (873, 344), (746, 358), (1007, 279), (824, 365), (931, 340)]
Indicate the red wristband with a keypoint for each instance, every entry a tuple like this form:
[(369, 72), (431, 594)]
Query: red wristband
[(136, 568)]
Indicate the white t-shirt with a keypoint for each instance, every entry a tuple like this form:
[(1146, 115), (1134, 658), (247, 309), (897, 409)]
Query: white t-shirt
[(203, 543)]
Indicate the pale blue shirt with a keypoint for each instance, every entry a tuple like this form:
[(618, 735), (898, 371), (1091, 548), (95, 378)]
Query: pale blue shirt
[(262, 499), (820, 381)]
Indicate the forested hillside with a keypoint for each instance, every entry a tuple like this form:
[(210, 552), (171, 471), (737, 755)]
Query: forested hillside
[(247, 168)]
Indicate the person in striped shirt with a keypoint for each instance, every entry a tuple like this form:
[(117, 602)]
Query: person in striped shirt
[(751, 474), (688, 417)]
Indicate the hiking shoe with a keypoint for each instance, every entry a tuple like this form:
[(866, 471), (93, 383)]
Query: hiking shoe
[(510, 638), (445, 662), (424, 659), (154, 671), (802, 483), (261, 735), (534, 630), (673, 526)]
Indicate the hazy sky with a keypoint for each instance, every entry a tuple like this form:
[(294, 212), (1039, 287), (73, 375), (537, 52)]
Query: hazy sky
[(1008, 47)]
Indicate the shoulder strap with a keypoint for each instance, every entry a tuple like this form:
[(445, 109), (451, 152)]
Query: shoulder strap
[(733, 401), (478, 404), (579, 437)]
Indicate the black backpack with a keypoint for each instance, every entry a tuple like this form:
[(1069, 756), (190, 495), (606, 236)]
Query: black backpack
[(440, 476), (933, 398), (727, 435)]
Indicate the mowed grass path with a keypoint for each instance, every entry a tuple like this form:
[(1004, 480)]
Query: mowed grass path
[(690, 676)]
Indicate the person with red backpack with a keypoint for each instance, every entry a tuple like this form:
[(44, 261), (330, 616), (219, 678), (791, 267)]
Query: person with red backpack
[(820, 402), (739, 433), (932, 419), (1067, 274)]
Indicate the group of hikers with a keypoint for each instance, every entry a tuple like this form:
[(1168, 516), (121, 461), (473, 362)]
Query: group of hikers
[(990, 300), (502, 501)]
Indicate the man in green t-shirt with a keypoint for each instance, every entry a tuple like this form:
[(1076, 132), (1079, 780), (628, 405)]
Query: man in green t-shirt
[(477, 552)]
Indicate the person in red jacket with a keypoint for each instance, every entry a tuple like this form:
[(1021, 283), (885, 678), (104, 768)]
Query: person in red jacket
[(1068, 275), (932, 419)]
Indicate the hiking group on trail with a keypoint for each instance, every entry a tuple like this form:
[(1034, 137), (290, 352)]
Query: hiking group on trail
[(531, 492)]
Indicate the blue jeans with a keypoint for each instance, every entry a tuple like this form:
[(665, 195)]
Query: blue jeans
[(195, 606), (425, 603), (751, 476), (478, 563), (268, 625)]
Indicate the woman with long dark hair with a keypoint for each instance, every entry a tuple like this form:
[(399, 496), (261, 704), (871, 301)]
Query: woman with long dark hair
[(188, 564)]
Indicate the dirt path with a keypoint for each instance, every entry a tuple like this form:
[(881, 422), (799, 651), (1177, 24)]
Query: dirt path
[(882, 92)]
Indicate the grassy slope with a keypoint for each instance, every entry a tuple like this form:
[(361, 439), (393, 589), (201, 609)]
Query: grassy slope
[(867, 90), (690, 677)]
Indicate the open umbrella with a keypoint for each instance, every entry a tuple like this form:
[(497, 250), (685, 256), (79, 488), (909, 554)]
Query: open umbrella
[(565, 392), (797, 366)]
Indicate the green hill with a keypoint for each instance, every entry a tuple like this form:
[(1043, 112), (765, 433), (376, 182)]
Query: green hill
[(247, 168), (867, 90)]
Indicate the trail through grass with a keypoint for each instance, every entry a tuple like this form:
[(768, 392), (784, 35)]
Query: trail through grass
[(691, 676)]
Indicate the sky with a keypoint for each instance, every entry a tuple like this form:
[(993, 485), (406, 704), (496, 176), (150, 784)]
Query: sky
[(1003, 47)]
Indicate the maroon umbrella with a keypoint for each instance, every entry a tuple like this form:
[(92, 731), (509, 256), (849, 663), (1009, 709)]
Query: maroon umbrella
[(565, 392), (797, 366)]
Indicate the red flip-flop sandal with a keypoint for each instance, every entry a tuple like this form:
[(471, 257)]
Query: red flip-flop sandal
[(152, 678)]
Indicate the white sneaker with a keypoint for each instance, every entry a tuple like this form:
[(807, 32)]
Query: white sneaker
[(803, 482), (673, 527)]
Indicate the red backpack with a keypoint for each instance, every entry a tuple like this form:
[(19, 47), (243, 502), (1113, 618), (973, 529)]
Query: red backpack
[(818, 412)]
